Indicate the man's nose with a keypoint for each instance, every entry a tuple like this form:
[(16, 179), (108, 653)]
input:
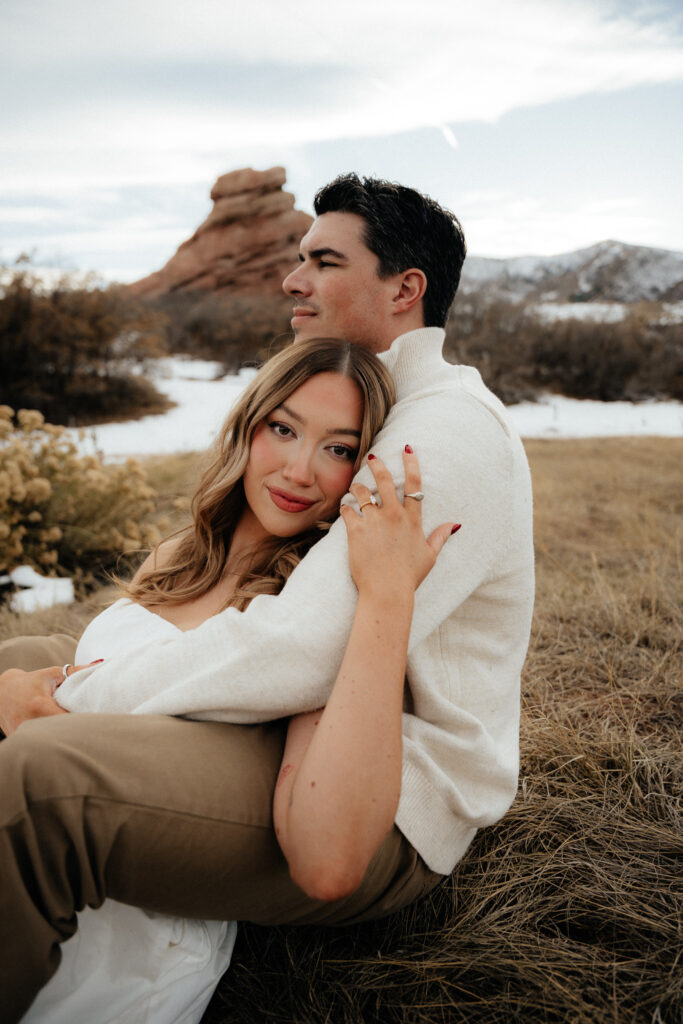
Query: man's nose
[(296, 283)]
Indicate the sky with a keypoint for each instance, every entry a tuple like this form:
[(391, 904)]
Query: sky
[(546, 125)]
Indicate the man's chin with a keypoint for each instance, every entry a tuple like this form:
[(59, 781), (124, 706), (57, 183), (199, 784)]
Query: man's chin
[(305, 331)]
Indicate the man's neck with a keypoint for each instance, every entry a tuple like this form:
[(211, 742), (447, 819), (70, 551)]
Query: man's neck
[(383, 345)]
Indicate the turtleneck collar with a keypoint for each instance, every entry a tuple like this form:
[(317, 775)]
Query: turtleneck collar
[(414, 357)]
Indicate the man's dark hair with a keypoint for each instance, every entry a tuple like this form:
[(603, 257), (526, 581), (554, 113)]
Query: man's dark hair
[(404, 229)]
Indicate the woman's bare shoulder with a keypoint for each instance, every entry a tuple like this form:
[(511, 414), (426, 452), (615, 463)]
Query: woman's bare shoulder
[(161, 557)]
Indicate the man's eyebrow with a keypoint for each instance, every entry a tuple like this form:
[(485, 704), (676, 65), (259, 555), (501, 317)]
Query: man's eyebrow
[(317, 254), (299, 419)]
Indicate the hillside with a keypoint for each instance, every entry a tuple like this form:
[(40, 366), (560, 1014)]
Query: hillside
[(609, 271)]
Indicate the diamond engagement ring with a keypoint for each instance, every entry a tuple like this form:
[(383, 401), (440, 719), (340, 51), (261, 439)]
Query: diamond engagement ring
[(372, 500), (416, 495)]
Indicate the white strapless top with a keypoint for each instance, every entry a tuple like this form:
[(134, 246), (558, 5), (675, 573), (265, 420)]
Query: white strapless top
[(123, 626)]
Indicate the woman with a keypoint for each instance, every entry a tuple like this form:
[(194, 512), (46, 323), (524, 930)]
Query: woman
[(285, 458)]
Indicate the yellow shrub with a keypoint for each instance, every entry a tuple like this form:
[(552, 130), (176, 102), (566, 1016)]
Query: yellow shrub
[(64, 512)]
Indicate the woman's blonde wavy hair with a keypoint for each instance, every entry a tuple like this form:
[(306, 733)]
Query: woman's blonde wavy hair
[(201, 554)]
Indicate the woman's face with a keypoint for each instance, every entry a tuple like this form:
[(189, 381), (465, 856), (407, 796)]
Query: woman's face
[(302, 457)]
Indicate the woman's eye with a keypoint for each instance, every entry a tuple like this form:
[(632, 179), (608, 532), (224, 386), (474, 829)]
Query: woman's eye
[(324, 263), (280, 429), (341, 451)]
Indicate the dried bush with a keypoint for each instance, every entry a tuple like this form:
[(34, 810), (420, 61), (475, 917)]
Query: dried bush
[(63, 513), (69, 352), (519, 354), (493, 337), (232, 330)]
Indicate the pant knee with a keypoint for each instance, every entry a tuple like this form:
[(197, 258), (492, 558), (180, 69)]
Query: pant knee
[(38, 762), (32, 652)]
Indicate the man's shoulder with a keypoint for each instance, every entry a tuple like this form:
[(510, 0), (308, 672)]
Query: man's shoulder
[(454, 392)]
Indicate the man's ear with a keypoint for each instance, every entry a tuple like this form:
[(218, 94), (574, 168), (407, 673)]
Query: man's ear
[(412, 284)]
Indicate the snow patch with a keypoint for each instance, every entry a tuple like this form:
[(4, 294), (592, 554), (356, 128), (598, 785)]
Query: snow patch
[(601, 312), (560, 417), (37, 591), (204, 402)]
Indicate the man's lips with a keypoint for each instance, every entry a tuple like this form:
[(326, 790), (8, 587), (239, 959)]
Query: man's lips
[(300, 313), (288, 502)]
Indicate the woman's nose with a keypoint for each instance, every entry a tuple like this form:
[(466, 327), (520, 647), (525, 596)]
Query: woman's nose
[(299, 468), (296, 283)]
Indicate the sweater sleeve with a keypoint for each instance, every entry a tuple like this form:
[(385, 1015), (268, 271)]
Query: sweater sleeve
[(281, 656)]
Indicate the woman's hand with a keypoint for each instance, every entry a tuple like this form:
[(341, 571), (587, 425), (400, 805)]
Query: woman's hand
[(387, 545), (25, 695)]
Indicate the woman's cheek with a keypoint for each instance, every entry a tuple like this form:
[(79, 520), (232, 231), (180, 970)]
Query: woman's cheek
[(340, 482), (261, 447)]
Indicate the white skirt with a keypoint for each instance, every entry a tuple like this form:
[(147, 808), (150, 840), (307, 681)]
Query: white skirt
[(125, 965), (129, 966)]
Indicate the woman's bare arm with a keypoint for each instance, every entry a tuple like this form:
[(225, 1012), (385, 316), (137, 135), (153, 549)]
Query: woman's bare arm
[(26, 695), (340, 779)]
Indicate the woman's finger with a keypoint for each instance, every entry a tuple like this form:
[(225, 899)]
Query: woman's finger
[(348, 515), (363, 496), (386, 487), (68, 670), (46, 678), (440, 535), (413, 482)]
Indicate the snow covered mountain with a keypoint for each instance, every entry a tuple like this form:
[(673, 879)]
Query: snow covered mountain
[(607, 272)]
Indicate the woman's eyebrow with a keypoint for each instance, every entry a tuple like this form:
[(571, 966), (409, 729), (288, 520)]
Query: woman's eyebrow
[(290, 412), (345, 430), (302, 421)]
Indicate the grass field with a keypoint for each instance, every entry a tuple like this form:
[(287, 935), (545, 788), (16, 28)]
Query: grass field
[(571, 908)]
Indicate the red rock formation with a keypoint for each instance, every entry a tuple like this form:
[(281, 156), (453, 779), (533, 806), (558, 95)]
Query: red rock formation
[(246, 245)]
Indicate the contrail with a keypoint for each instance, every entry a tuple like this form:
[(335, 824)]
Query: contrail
[(448, 135)]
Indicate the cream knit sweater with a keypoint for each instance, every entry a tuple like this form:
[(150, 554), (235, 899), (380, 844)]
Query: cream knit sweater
[(470, 626)]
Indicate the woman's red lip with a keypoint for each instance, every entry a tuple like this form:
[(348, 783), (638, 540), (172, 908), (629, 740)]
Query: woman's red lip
[(289, 502)]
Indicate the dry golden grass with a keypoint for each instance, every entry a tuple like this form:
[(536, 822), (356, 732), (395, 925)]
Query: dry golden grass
[(608, 624), (571, 908)]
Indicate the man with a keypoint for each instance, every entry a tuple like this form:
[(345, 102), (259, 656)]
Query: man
[(174, 815)]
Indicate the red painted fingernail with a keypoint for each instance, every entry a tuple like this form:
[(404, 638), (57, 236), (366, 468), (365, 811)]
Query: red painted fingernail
[(371, 456), (408, 449), (96, 661), (456, 528)]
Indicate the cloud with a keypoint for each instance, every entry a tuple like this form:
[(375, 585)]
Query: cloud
[(117, 117), (519, 225), (154, 79)]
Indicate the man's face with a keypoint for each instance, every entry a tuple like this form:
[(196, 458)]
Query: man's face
[(336, 290)]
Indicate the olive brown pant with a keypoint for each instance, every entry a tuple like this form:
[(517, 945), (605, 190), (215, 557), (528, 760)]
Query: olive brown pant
[(163, 813)]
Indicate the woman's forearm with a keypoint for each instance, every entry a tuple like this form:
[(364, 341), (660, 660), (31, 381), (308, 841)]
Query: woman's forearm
[(334, 808), (340, 780)]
